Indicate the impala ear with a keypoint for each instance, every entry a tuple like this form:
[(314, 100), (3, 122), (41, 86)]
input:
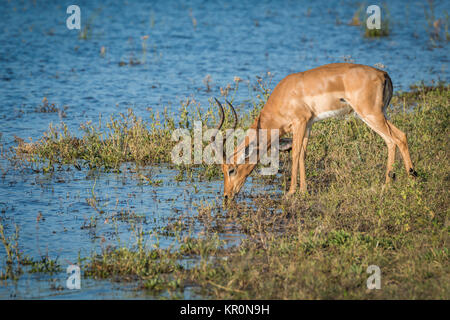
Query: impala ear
[(285, 144), (247, 151), (244, 155)]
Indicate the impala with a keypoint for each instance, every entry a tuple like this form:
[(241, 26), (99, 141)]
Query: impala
[(301, 99)]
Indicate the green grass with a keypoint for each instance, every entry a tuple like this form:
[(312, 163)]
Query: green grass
[(16, 263), (360, 18), (437, 27), (319, 245), (126, 139), (311, 246)]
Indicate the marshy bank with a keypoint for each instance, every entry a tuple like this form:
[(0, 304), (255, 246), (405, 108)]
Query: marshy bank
[(313, 246)]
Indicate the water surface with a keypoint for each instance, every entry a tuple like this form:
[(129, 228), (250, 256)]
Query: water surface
[(187, 42)]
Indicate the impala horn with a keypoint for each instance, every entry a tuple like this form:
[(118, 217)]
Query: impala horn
[(234, 114), (222, 119)]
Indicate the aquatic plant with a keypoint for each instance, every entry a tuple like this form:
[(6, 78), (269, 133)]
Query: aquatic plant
[(16, 263), (437, 28), (124, 138), (86, 32), (360, 17)]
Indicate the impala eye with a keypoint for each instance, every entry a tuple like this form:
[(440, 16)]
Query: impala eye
[(232, 171)]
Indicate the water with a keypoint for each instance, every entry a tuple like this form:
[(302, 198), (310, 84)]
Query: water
[(187, 41)]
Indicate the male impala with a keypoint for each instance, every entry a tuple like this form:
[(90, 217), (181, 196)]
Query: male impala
[(303, 98)]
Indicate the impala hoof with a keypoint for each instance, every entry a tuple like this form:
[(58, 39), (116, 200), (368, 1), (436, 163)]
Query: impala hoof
[(391, 175), (289, 195), (413, 172)]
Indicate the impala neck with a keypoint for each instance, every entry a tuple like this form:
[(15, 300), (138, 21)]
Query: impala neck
[(257, 125)]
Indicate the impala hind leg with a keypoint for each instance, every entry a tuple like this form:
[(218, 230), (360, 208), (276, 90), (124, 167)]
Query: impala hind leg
[(402, 144), (390, 161), (393, 137)]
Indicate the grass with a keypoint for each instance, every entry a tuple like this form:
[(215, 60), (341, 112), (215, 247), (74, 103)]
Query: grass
[(437, 28), (86, 32), (311, 246), (46, 107), (124, 139), (16, 263), (319, 245), (360, 17)]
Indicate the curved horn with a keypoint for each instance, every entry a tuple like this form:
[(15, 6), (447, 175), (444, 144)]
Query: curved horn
[(222, 118), (234, 113)]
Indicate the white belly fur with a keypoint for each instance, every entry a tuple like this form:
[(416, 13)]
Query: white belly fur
[(331, 114)]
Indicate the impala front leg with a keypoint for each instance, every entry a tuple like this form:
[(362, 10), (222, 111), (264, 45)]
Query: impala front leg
[(299, 130)]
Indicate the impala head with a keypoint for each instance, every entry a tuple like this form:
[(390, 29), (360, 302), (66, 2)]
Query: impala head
[(234, 175)]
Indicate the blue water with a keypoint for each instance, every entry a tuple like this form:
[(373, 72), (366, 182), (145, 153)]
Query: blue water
[(187, 41)]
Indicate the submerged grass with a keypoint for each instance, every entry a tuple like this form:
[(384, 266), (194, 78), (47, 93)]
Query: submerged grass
[(437, 28), (360, 18), (16, 263), (319, 245)]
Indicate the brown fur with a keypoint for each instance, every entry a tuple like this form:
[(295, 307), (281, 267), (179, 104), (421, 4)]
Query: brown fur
[(302, 98)]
